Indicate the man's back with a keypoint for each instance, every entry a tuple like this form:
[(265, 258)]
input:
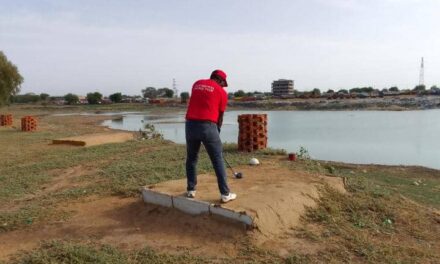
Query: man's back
[(207, 100)]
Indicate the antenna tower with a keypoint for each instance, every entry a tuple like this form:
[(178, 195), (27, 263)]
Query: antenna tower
[(176, 92), (422, 73)]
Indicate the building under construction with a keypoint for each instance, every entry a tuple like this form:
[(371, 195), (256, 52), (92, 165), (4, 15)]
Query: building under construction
[(282, 87)]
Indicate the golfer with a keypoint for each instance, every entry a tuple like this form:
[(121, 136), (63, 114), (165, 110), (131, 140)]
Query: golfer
[(204, 119)]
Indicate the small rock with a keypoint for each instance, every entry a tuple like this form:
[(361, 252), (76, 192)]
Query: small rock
[(364, 171), (416, 183), (388, 221)]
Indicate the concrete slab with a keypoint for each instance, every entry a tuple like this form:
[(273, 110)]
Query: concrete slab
[(157, 198), (216, 209), (190, 206)]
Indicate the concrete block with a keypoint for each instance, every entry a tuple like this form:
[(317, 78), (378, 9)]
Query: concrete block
[(156, 198), (190, 206), (230, 214)]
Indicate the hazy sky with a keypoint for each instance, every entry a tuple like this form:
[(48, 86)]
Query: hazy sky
[(109, 46)]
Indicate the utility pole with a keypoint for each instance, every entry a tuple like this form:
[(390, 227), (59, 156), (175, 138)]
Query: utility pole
[(422, 73)]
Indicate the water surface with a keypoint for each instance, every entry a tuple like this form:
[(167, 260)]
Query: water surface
[(380, 137)]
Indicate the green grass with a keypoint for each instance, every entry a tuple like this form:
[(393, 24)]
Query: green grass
[(417, 183), (76, 253), (73, 252), (370, 224), (420, 184)]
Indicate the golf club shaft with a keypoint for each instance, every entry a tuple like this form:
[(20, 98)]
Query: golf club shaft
[(227, 163)]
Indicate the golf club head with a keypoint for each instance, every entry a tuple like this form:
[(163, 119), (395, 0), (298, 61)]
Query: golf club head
[(238, 175)]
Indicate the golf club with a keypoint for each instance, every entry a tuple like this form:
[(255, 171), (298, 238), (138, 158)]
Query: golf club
[(237, 175)]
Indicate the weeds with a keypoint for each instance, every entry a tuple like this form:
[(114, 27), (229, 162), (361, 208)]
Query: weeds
[(149, 132), (367, 226), (69, 252), (303, 153)]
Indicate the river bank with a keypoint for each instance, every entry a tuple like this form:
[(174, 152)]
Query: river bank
[(385, 103)]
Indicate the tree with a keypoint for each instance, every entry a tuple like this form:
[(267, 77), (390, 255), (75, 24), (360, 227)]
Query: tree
[(419, 88), (116, 97), (355, 90), (44, 96), (165, 92), (239, 93), (25, 98), (10, 79), (330, 91), (94, 98), (343, 91), (394, 89), (367, 89), (316, 92), (71, 98), (149, 92), (435, 90), (184, 97)]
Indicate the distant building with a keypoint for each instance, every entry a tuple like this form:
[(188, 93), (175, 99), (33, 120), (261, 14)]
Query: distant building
[(83, 100), (282, 87)]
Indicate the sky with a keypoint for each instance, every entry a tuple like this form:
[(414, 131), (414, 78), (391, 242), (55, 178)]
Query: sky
[(113, 46)]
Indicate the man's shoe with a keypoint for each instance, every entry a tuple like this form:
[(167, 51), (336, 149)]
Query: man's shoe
[(229, 197), (191, 194)]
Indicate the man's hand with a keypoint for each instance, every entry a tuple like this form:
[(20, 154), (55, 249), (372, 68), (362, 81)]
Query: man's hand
[(220, 121)]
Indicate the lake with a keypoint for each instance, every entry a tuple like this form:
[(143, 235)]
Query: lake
[(379, 137)]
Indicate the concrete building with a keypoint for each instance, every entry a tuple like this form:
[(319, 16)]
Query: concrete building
[(282, 87)]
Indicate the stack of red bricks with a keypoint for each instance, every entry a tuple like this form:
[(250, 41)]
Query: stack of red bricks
[(252, 132), (28, 123), (6, 120)]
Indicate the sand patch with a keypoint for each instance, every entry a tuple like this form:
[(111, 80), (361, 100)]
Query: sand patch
[(95, 139)]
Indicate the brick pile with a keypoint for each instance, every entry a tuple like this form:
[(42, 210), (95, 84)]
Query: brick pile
[(28, 123), (6, 120), (252, 132)]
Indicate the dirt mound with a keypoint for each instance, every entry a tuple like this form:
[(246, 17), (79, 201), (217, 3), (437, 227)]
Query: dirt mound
[(274, 196), (95, 139)]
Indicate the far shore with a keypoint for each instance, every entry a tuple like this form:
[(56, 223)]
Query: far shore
[(402, 103), (379, 104)]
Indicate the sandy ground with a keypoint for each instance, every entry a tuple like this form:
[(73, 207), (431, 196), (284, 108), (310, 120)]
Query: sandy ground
[(129, 223), (273, 195), (95, 139)]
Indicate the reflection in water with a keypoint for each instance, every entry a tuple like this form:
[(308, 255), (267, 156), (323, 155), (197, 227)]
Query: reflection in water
[(381, 137)]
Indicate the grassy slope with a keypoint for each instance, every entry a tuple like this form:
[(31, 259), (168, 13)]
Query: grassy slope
[(373, 223)]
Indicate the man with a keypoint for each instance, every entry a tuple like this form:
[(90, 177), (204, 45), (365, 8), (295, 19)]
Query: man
[(204, 119)]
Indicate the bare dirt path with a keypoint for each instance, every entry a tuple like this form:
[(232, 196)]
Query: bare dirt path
[(128, 223)]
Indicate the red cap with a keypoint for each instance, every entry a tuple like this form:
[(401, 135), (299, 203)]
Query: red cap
[(221, 74)]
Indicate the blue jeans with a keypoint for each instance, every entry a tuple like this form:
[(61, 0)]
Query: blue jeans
[(205, 132)]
